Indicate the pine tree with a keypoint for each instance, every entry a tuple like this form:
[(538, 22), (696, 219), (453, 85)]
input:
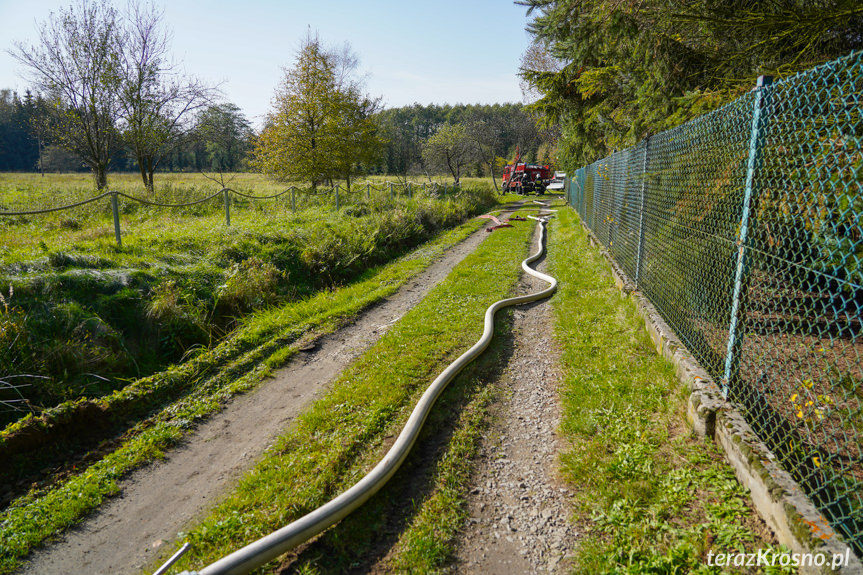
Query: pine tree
[(626, 68)]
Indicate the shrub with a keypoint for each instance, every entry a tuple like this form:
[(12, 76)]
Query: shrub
[(250, 284), (16, 353), (178, 316)]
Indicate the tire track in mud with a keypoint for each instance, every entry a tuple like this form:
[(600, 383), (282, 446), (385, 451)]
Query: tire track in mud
[(155, 502)]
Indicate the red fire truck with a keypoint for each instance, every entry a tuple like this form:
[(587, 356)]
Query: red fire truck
[(523, 178)]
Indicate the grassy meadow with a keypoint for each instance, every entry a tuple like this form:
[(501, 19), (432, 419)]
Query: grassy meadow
[(170, 403), (85, 315)]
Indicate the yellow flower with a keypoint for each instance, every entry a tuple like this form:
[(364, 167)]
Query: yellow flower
[(794, 397), (816, 461)]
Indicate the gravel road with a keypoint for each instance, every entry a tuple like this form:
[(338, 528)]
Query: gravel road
[(519, 509)]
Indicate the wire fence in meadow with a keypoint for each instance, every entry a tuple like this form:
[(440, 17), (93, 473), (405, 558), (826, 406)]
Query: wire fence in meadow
[(743, 228), (293, 198)]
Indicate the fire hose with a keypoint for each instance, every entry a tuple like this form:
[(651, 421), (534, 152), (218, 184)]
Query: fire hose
[(278, 542)]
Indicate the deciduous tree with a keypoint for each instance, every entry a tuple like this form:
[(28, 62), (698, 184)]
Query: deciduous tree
[(450, 148), (157, 102), (77, 66), (322, 127), (484, 131)]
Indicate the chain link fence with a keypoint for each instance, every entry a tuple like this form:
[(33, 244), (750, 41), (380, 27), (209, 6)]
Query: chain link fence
[(743, 227)]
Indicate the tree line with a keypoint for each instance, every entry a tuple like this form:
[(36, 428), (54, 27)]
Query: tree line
[(415, 141), (462, 139), (107, 95), (222, 140), (326, 127), (219, 140)]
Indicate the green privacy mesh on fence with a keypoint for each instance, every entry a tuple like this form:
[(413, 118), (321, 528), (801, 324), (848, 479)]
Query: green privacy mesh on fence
[(743, 227)]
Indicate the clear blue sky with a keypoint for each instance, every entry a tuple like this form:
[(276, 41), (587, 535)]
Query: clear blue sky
[(436, 51)]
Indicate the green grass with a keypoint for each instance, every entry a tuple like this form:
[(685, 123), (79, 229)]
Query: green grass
[(28, 191), (83, 306), (428, 543), (346, 432), (259, 345), (651, 498)]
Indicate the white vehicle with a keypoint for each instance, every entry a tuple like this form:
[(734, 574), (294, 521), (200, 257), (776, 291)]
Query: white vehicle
[(557, 182)]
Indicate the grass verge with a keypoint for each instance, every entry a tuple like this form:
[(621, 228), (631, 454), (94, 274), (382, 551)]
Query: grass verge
[(651, 497), (260, 344), (345, 433)]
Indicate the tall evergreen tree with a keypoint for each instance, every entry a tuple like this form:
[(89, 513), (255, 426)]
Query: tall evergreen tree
[(19, 149), (625, 69)]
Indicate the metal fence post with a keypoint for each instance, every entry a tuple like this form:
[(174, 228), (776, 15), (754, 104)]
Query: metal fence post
[(618, 197), (368, 191), (573, 194), (115, 211), (595, 196), (337, 197), (391, 191), (579, 182), (293, 200), (577, 193), (640, 252), (732, 357), (227, 207)]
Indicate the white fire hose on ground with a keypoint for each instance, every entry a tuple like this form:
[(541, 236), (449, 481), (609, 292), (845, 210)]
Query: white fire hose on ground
[(283, 540)]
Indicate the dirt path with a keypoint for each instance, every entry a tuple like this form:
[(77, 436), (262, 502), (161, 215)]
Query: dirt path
[(157, 501), (519, 509)]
